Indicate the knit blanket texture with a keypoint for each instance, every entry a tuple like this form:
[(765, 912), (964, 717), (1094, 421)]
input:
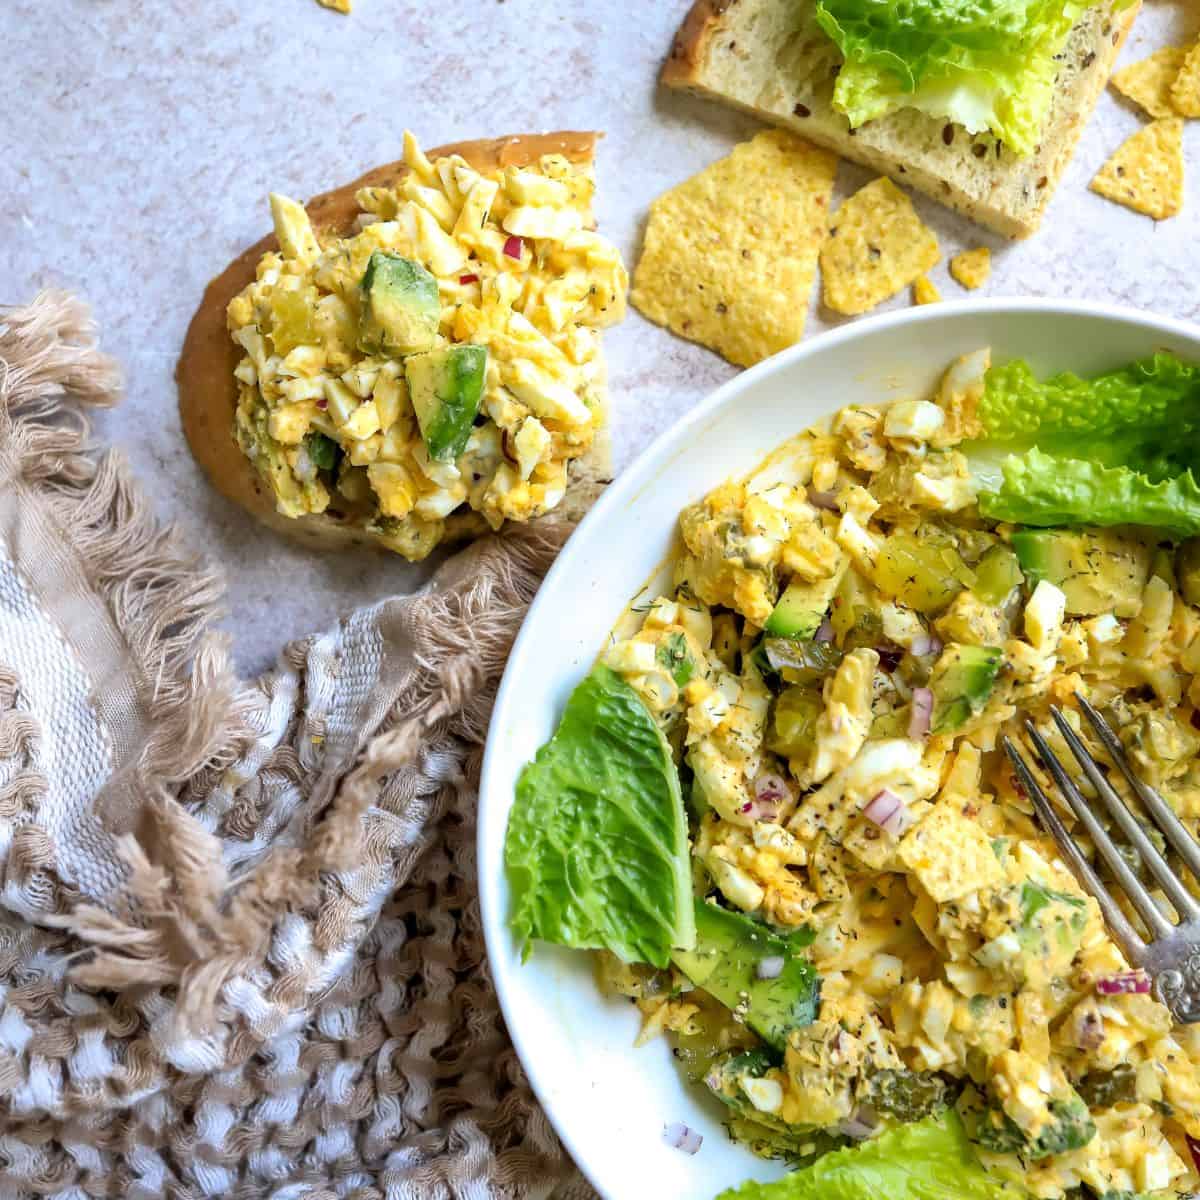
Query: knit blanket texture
[(240, 944)]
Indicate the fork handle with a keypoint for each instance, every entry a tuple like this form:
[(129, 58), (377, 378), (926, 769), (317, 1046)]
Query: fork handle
[(1177, 985)]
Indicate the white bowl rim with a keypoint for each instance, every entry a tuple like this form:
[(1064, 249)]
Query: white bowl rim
[(623, 487)]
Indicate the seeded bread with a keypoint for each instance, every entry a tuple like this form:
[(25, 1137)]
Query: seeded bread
[(208, 391), (770, 58)]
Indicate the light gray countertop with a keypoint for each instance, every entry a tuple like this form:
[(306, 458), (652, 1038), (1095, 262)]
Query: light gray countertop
[(141, 138)]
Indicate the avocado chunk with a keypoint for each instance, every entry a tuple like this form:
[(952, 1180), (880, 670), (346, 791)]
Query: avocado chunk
[(446, 386), (962, 680), (1187, 570), (733, 952), (323, 451), (1099, 571), (400, 306), (1070, 1127), (802, 607)]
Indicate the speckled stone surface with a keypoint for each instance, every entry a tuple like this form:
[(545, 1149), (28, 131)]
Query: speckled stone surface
[(140, 139)]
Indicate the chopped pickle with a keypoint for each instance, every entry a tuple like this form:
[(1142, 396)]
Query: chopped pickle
[(1103, 1089), (866, 630), (996, 575), (710, 1033), (292, 323), (801, 662), (794, 721), (1187, 569), (924, 574), (1162, 564), (851, 599)]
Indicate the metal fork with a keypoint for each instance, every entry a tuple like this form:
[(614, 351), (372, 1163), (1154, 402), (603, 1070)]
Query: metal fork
[(1172, 956)]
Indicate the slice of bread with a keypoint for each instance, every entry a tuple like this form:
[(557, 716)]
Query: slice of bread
[(771, 58), (208, 392)]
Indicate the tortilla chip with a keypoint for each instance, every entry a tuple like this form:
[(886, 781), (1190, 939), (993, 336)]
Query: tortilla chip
[(972, 268), (730, 255), (925, 291), (1185, 91), (1148, 83), (877, 246), (1146, 173)]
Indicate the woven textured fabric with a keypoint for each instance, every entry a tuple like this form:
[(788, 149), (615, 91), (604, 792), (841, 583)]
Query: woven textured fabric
[(240, 950)]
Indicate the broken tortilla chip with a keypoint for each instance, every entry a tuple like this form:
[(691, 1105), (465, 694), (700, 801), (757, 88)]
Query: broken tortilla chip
[(730, 255), (877, 246), (925, 291), (1185, 91), (972, 268), (1148, 83), (1146, 173)]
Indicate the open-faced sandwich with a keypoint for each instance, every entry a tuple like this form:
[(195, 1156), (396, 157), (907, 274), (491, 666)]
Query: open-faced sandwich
[(415, 357), (980, 103)]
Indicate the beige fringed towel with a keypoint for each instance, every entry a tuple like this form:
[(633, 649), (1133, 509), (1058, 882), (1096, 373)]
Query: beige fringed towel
[(240, 951)]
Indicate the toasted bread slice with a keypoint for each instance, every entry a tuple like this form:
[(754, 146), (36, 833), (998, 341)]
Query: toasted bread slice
[(771, 58), (208, 391)]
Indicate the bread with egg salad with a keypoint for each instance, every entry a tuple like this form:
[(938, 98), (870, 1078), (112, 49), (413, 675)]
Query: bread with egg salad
[(773, 59), (413, 358)]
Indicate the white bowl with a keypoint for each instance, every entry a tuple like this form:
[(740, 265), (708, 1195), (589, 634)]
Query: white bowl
[(608, 1101)]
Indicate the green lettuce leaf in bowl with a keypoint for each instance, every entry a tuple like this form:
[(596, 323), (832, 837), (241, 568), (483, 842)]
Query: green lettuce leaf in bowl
[(1118, 449), (927, 1160), (985, 64), (597, 845)]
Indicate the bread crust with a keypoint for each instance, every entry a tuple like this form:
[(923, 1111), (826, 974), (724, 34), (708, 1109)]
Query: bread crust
[(1012, 205), (208, 392)]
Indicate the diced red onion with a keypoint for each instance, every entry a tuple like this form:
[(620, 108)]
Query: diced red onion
[(926, 643), (824, 631), (1193, 1144), (322, 404), (860, 1125), (1124, 983), (682, 1137), (921, 715), (465, 279), (826, 500), (889, 812), (771, 789), (760, 810), (513, 247), (771, 967)]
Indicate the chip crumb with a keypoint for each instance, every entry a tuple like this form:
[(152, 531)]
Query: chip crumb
[(342, 6), (925, 291), (972, 268), (730, 255), (877, 246), (1148, 83), (1146, 173), (1185, 91)]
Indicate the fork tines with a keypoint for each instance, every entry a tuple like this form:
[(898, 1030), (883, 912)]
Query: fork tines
[(1157, 810)]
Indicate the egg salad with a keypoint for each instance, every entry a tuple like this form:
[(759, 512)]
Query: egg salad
[(442, 357), (880, 932)]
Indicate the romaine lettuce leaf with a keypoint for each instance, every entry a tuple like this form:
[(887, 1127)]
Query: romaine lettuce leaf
[(928, 1160), (1114, 450), (597, 846), (986, 64)]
